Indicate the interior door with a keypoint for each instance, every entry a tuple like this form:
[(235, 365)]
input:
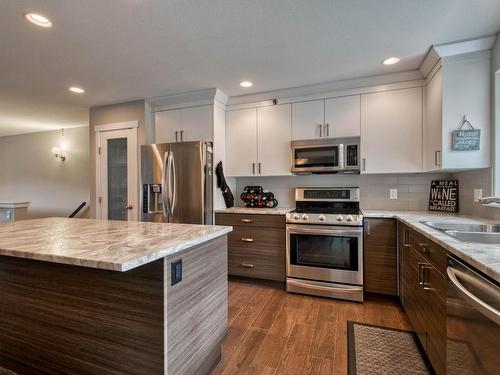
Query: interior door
[(117, 175)]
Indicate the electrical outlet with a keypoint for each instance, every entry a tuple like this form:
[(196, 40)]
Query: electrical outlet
[(478, 194), (393, 194)]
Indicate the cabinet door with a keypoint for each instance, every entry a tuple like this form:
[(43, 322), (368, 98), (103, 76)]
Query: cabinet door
[(342, 117), (241, 142), (274, 136), (433, 110), (391, 131), (167, 126), (380, 256), (415, 296), (308, 119), (196, 123), (436, 285)]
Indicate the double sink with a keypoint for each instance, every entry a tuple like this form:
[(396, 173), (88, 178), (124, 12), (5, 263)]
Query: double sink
[(469, 232)]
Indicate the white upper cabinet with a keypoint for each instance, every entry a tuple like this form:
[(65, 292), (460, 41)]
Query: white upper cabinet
[(326, 118), (196, 123), (184, 125), (167, 126), (308, 119), (457, 88), (241, 142), (274, 137), (391, 131), (258, 141), (433, 112), (342, 117)]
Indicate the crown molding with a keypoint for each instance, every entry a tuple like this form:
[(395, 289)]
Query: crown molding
[(448, 50), (188, 99)]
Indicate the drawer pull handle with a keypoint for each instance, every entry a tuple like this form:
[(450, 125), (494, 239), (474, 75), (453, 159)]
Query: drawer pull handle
[(246, 220), (424, 247), (247, 265), (243, 239)]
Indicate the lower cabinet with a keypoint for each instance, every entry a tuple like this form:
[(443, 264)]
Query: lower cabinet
[(380, 256), (256, 246), (423, 296)]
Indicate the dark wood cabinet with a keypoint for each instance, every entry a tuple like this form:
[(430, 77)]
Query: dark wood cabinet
[(380, 256), (256, 246), (423, 292)]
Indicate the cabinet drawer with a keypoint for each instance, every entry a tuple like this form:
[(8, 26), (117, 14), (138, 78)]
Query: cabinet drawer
[(435, 254), (259, 267), (257, 241), (257, 252), (258, 220)]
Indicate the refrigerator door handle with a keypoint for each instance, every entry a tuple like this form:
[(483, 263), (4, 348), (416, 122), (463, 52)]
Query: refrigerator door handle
[(172, 187), (164, 185)]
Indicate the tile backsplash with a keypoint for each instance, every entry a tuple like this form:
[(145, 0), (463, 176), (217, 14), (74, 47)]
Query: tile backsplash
[(413, 189)]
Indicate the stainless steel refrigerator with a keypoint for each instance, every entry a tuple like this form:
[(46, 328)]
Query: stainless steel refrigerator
[(176, 181)]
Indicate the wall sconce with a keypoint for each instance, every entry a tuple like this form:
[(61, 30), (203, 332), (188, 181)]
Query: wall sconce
[(59, 153)]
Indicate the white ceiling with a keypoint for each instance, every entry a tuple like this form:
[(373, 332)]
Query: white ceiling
[(127, 49)]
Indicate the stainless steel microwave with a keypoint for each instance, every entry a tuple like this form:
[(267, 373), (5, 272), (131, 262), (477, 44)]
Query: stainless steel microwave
[(326, 155)]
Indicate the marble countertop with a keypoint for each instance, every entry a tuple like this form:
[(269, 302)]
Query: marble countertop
[(257, 211), (486, 258), (103, 244)]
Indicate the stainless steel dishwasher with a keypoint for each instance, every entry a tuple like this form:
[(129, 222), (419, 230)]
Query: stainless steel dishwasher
[(473, 321)]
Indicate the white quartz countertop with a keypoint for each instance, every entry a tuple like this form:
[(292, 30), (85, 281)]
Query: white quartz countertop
[(256, 211), (486, 258), (109, 245)]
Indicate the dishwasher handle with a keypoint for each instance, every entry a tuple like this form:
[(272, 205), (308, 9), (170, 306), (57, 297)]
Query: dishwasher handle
[(485, 309)]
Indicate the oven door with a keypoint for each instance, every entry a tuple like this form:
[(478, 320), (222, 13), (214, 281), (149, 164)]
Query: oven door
[(325, 253), (317, 158)]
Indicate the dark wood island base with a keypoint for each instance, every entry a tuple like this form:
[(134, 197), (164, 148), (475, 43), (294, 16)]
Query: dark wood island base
[(57, 318)]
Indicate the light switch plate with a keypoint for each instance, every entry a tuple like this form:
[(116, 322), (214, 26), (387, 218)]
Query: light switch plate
[(478, 194), (393, 194)]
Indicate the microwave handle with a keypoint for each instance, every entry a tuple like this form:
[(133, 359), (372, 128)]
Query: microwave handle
[(342, 156)]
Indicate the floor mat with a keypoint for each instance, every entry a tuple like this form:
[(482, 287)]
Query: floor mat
[(379, 350)]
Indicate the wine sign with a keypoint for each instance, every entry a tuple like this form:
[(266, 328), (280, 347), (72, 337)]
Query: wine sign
[(444, 196)]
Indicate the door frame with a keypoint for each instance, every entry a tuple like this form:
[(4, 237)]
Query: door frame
[(133, 162)]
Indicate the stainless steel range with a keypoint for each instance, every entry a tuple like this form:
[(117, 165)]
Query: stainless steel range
[(325, 243)]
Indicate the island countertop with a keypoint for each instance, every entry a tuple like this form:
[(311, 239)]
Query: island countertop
[(102, 244)]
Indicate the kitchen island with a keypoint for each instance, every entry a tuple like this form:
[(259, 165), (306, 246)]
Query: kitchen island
[(109, 297)]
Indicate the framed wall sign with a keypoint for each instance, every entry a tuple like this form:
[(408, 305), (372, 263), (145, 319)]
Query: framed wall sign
[(466, 139), (444, 196)]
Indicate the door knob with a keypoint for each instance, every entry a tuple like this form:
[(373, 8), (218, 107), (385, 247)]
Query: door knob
[(129, 206)]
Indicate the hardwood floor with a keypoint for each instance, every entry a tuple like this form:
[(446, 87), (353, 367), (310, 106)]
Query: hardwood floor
[(274, 332)]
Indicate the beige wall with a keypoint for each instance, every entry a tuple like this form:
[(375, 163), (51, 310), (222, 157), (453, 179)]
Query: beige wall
[(30, 172), (130, 111)]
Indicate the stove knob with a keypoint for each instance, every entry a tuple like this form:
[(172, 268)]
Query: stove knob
[(340, 218), (305, 217), (349, 218), (322, 217), (296, 217)]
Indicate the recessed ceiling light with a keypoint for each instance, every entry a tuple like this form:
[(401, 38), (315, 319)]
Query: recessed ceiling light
[(246, 84), (391, 61), (76, 90), (38, 19)]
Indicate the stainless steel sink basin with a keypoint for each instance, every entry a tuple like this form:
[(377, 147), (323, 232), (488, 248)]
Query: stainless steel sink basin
[(463, 227), (491, 238)]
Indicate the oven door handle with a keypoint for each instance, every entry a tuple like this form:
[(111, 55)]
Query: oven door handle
[(358, 231)]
